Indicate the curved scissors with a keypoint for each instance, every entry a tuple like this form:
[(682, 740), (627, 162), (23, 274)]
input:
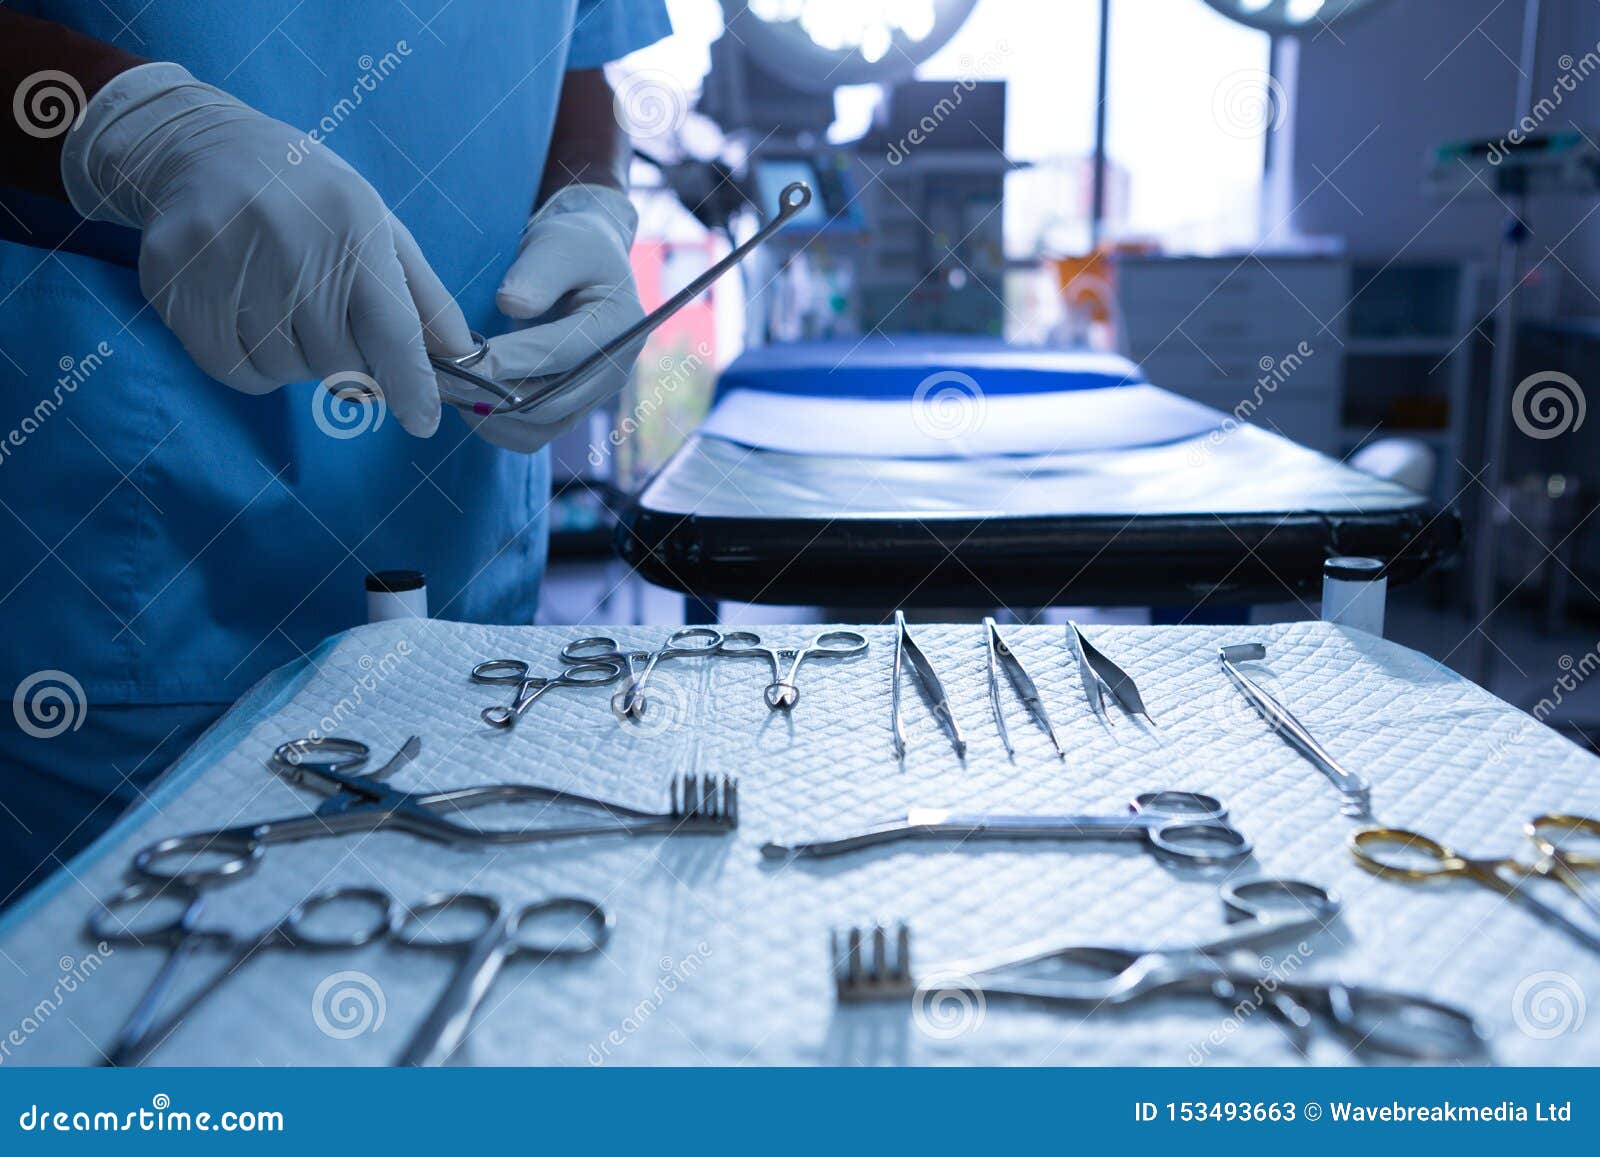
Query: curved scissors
[(126, 919), (563, 927), (363, 803), (782, 694), (514, 672), (1398, 854), (1182, 825), (630, 701), (1267, 910)]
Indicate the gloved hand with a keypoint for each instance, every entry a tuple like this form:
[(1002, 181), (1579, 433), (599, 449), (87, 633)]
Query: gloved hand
[(269, 271), (573, 261)]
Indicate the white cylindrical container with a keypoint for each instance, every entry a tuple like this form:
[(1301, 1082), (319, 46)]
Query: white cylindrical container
[(396, 594), (1354, 593)]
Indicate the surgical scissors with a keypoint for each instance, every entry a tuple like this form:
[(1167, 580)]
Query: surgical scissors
[(630, 701), (363, 803), (866, 967), (1398, 854), (1103, 679), (124, 919), (1000, 654), (906, 649), (782, 693), (530, 686), (581, 927), (1185, 826), (1354, 788), (528, 392)]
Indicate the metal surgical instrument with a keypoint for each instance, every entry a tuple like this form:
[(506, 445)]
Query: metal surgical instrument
[(875, 964), (563, 927), (515, 397), (514, 672), (313, 924), (1182, 825), (1398, 854), (1103, 679), (1000, 655), (1355, 789), (364, 803), (630, 701), (783, 693), (906, 649)]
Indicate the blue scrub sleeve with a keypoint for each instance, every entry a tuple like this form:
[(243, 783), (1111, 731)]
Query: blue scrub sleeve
[(607, 30)]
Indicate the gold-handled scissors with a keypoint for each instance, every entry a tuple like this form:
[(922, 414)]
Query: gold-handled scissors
[(1398, 854)]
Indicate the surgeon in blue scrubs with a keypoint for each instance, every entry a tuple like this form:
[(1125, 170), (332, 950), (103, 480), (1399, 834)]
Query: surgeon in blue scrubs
[(207, 207)]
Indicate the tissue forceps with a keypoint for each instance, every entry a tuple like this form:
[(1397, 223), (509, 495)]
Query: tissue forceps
[(630, 701), (122, 920), (906, 649), (1381, 852), (530, 686), (364, 803), (783, 693), (518, 396), (582, 927), (866, 966), (1103, 679), (1000, 654), (1182, 825), (1355, 789)]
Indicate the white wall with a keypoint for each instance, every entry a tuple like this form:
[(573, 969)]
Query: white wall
[(1376, 94)]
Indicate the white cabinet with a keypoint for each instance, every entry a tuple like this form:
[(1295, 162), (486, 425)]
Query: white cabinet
[(1261, 337)]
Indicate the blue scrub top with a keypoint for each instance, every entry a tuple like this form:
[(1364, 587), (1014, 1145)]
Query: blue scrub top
[(168, 539)]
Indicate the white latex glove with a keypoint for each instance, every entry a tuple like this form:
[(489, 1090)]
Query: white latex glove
[(573, 260), (268, 271)]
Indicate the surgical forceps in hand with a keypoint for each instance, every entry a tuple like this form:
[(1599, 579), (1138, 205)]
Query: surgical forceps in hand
[(529, 392), (906, 649), (144, 914), (630, 701), (1355, 789), (782, 693), (1000, 655), (564, 927), (1398, 854), (363, 803), (529, 686), (867, 967), (1103, 679), (1184, 826)]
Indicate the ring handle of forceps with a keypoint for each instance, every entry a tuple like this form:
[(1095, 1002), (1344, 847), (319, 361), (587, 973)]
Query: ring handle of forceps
[(792, 200)]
